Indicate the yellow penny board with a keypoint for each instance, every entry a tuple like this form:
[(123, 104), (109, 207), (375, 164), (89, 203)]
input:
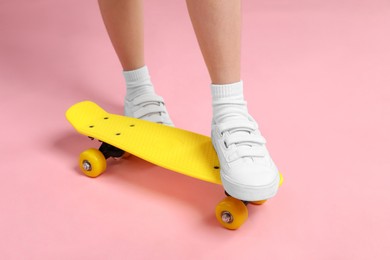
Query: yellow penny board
[(172, 148)]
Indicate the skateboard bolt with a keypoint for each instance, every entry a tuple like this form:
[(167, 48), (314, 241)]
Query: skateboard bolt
[(86, 165), (227, 217)]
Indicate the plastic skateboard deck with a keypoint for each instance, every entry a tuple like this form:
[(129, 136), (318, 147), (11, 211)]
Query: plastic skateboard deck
[(172, 148)]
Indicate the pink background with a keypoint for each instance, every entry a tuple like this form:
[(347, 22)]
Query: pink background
[(317, 80)]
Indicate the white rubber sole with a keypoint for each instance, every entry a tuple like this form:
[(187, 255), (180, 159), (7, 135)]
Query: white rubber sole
[(250, 193)]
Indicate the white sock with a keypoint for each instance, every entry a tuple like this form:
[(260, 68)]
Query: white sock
[(138, 83), (228, 102)]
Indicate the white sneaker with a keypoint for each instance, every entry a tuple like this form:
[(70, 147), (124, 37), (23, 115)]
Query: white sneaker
[(247, 170), (141, 101), (150, 107)]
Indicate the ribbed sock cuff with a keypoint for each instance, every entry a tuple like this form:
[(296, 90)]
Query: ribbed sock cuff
[(233, 90), (137, 75)]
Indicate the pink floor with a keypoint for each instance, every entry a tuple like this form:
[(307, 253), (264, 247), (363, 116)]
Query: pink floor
[(317, 77)]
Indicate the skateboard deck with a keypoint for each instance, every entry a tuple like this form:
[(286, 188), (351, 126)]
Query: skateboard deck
[(172, 148)]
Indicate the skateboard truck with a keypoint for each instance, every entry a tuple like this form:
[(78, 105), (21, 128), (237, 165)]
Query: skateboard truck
[(109, 150)]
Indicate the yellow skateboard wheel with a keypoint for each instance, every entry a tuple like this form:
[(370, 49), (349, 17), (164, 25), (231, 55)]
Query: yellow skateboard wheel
[(231, 213), (92, 162), (260, 202)]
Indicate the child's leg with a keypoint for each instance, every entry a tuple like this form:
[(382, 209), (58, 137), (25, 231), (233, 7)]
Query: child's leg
[(124, 23), (217, 25), (247, 170), (125, 26)]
